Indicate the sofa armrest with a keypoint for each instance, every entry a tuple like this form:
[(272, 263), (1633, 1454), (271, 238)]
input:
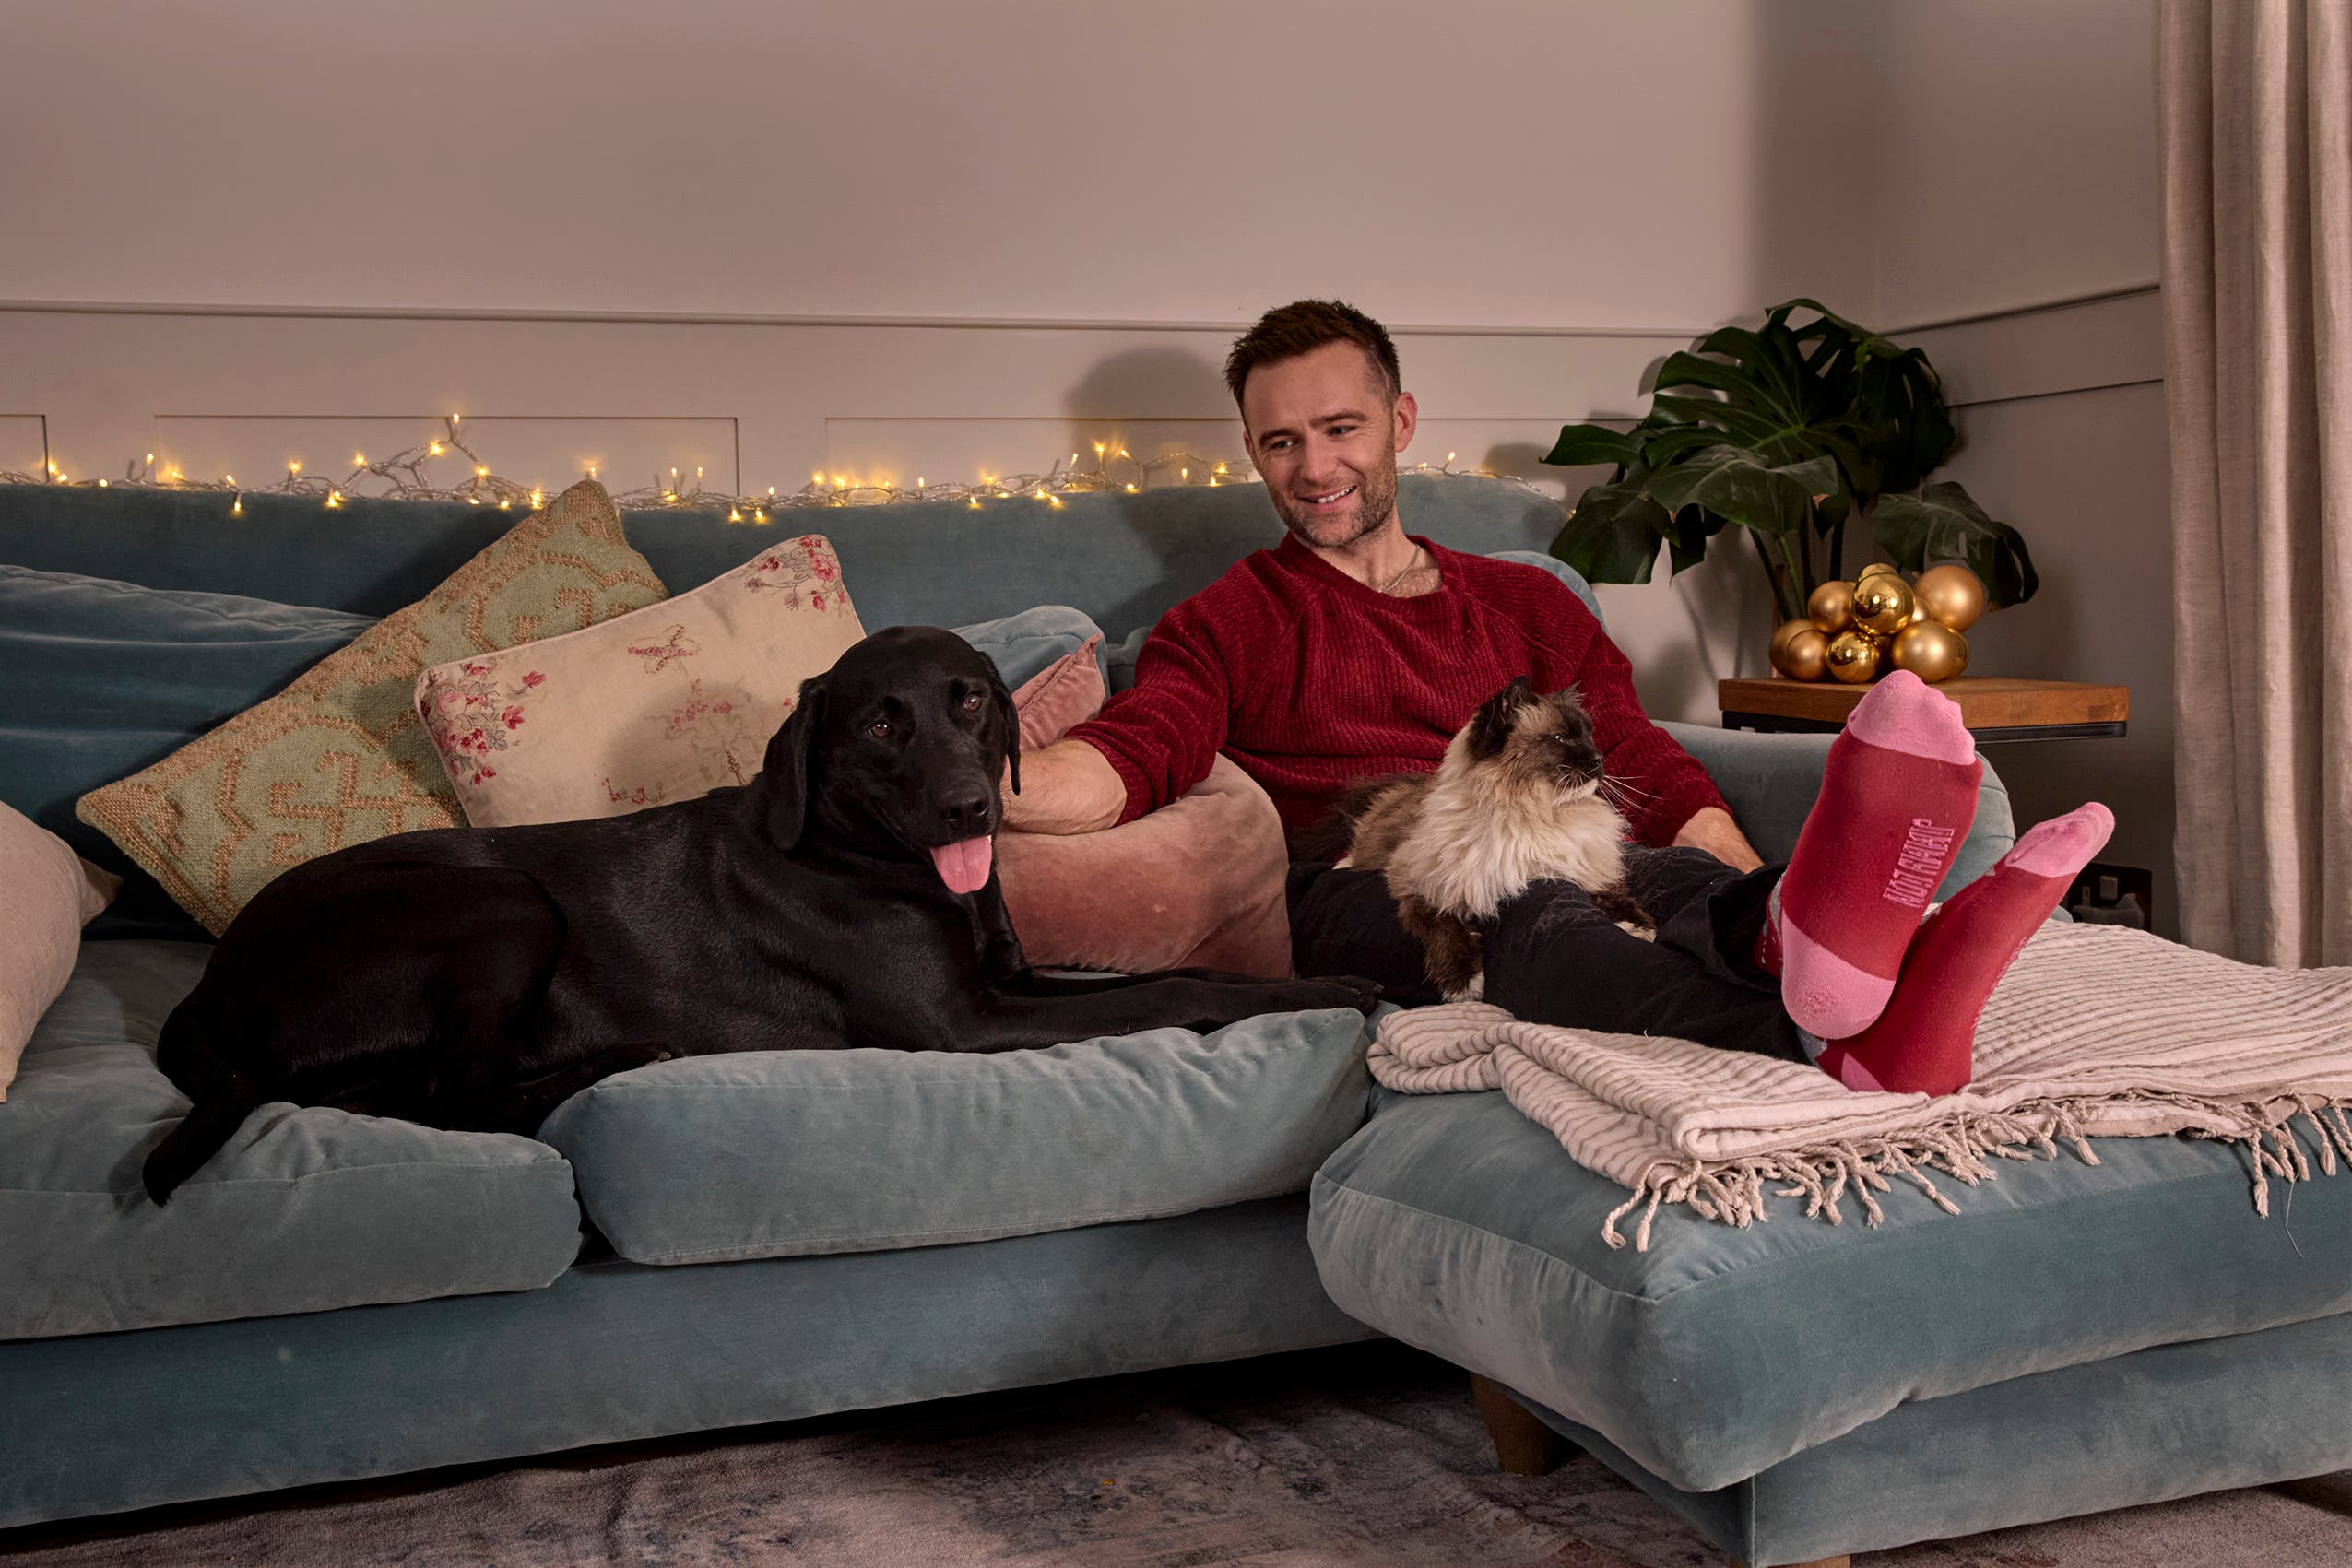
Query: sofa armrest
[(1770, 780)]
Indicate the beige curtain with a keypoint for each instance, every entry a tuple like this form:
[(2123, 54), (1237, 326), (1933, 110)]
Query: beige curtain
[(2255, 101)]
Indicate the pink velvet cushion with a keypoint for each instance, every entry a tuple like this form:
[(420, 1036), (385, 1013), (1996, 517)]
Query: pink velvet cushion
[(1060, 697), (664, 703), (47, 894)]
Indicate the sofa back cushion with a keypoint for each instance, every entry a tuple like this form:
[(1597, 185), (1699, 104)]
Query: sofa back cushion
[(108, 678), (1123, 558)]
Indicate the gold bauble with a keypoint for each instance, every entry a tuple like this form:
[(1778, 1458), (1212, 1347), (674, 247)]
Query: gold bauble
[(1876, 569), (1804, 654), (1952, 594), (1931, 650), (1852, 658), (1883, 604), (1831, 608)]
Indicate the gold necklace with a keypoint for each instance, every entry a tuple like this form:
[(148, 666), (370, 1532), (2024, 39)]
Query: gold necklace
[(1410, 566)]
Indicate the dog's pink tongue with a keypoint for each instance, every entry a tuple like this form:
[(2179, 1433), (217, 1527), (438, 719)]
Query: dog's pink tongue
[(965, 866)]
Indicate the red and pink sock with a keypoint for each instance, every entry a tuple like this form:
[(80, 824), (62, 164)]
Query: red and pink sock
[(1925, 1040), (1896, 799)]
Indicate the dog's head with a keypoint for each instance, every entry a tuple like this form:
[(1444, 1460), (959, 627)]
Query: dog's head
[(897, 751), (1536, 740)]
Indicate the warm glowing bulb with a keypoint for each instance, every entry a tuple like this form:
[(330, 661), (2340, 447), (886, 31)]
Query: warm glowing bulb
[(1221, 467), (918, 481), (1183, 473), (293, 468), (359, 460), (772, 491), (537, 497), (1122, 452), (818, 477), (1098, 449), (759, 515), (839, 483), (334, 499), (101, 484), (733, 515), (150, 458), (975, 503), (237, 507), (434, 451), (455, 417), (1449, 460), (1130, 489), (233, 478), (480, 472)]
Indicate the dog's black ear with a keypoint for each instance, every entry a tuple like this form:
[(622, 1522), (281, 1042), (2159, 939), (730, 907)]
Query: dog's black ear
[(786, 771), (1491, 725), (1008, 725)]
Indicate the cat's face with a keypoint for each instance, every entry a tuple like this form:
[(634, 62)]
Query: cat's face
[(1538, 741)]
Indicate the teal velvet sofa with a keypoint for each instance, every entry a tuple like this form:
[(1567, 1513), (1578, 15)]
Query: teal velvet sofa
[(720, 1242)]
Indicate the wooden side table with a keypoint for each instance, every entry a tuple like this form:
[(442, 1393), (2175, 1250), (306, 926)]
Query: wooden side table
[(1995, 707)]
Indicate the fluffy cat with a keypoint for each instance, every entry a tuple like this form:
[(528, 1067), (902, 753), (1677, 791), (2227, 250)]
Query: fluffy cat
[(1520, 797)]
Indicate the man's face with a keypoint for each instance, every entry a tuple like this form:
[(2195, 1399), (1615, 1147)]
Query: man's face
[(1325, 436)]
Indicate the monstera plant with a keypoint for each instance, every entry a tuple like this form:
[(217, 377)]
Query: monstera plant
[(1787, 434)]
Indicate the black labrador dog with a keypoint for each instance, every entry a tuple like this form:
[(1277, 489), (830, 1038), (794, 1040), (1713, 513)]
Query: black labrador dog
[(476, 977)]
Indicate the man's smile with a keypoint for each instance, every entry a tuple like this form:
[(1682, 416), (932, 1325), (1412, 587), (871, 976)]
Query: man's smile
[(1330, 500)]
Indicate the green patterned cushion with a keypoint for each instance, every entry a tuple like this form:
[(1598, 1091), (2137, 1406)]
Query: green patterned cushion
[(340, 757)]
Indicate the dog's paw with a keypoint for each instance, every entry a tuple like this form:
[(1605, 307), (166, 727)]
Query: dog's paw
[(1473, 992), (1634, 928)]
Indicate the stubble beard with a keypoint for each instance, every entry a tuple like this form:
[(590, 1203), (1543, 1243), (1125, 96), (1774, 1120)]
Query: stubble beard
[(1375, 502)]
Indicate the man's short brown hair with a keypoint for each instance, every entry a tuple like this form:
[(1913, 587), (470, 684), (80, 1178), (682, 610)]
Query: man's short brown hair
[(1288, 331)]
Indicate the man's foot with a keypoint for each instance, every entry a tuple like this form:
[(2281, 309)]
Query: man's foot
[(1896, 799), (1925, 1041)]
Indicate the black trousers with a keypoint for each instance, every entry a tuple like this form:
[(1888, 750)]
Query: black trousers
[(1553, 957)]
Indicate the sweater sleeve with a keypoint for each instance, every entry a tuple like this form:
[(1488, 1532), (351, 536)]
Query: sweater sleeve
[(1161, 735), (1666, 786)]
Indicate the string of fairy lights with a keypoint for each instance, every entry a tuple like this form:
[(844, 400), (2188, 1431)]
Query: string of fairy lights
[(408, 476)]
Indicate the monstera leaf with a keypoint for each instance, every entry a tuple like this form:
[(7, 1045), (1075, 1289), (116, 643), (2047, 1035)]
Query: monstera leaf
[(1942, 523), (1613, 535), (1738, 486)]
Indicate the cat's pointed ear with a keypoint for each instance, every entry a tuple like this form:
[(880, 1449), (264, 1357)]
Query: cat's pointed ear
[(1490, 727)]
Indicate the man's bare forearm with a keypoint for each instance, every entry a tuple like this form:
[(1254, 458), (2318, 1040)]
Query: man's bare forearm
[(1712, 829), (1068, 787)]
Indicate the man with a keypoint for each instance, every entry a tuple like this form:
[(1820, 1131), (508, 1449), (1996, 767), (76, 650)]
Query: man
[(1354, 648)]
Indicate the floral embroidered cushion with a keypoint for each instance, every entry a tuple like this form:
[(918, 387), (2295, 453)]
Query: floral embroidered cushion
[(338, 758), (664, 705)]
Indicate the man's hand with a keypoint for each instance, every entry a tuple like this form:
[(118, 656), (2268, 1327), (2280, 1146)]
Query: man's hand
[(1068, 787), (1712, 829)]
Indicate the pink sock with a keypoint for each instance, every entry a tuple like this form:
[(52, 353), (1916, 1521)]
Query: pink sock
[(1925, 1041), (1896, 799)]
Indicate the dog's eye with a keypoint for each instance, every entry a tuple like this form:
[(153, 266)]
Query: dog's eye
[(972, 701), (879, 729)]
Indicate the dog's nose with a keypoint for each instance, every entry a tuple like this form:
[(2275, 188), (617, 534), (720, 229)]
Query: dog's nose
[(969, 817)]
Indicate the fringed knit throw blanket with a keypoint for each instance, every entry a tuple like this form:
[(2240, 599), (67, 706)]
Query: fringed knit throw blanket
[(2095, 1032)]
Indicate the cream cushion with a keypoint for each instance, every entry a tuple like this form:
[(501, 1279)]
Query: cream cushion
[(47, 894), (664, 704)]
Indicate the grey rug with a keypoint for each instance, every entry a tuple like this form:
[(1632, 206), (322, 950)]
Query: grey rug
[(1368, 1454)]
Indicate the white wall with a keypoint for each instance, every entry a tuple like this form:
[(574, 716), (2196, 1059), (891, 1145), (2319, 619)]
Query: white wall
[(1522, 163), (2017, 165), (2015, 143)]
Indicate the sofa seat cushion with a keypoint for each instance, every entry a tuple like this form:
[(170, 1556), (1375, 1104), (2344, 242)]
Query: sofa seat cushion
[(783, 1153), (305, 1210), (1455, 1223)]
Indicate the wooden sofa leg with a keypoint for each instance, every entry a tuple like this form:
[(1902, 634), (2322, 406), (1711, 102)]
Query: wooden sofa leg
[(1523, 1445)]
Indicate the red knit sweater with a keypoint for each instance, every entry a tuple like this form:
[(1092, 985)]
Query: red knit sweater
[(1307, 678)]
